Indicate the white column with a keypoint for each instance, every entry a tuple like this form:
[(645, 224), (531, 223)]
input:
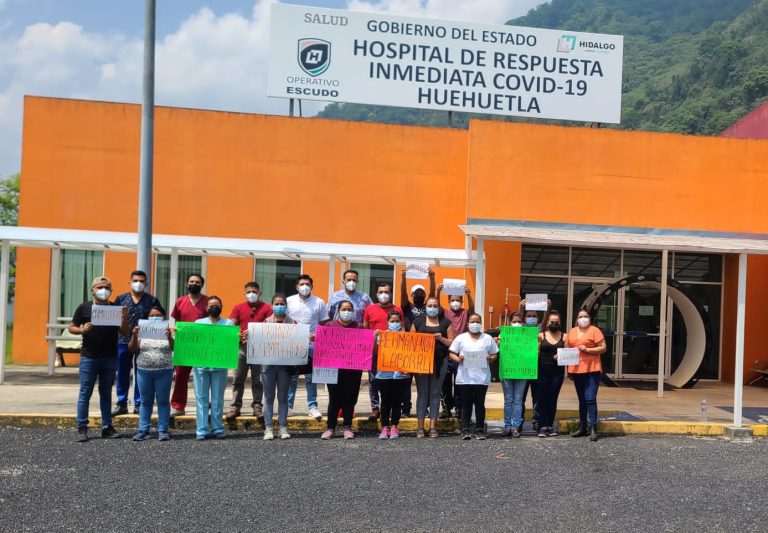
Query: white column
[(5, 262), (331, 276), (54, 299), (173, 291), (738, 378), (663, 322), (204, 267), (480, 282)]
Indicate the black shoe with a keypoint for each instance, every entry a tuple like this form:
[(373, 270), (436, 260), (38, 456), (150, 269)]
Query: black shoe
[(480, 434), (515, 434), (110, 433), (466, 435), (135, 410), (82, 435), (581, 431), (520, 427), (536, 426), (407, 414), (593, 433), (120, 409)]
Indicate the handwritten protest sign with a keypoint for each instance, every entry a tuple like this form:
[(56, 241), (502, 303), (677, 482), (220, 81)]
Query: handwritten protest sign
[(406, 352), (416, 270), (475, 359), (567, 356), (343, 348), (454, 287), (535, 302), (206, 345), (106, 315), (519, 357), (153, 329), (277, 344), (325, 375)]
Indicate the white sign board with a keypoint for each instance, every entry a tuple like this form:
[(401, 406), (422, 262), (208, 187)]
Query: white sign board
[(106, 315), (567, 356), (454, 287), (153, 329), (369, 58), (325, 375), (535, 302), (417, 270), (475, 359), (277, 344)]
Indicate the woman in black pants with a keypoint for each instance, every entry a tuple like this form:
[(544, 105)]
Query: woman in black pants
[(547, 387), (391, 386)]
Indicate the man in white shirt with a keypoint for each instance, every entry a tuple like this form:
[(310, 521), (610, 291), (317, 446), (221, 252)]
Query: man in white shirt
[(305, 308)]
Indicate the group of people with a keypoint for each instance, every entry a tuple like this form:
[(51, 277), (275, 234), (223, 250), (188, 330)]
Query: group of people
[(458, 332)]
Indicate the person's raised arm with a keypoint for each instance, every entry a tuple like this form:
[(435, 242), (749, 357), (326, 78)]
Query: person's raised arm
[(431, 283), (125, 329), (133, 344), (403, 289), (470, 301)]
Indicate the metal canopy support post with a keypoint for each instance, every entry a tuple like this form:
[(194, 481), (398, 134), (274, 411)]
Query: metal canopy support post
[(738, 378), (663, 321), (5, 263), (54, 298), (290, 107), (173, 286), (480, 281), (331, 276)]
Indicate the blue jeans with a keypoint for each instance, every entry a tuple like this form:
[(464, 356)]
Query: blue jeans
[(276, 378), (125, 364), (92, 369), (514, 389), (311, 387), (210, 384), (155, 384), (586, 389)]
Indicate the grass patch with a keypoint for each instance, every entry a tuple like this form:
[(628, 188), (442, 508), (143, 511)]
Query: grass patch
[(8, 344)]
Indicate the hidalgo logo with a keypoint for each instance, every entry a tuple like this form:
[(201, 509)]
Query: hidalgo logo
[(566, 43), (314, 56)]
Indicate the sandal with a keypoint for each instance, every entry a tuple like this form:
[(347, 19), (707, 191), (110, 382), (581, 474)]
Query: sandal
[(420, 434), (433, 434)]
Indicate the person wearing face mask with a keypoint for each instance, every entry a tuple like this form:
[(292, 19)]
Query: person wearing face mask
[(189, 308), (514, 391), (531, 319), (546, 388), (458, 315), (98, 358), (276, 378), (586, 375), (375, 317), (412, 311), (359, 299), (391, 384), (155, 373), (306, 308), (251, 310), (473, 381), (210, 383), (429, 386), (139, 303)]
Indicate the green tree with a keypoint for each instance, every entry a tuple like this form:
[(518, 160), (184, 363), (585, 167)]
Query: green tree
[(9, 216)]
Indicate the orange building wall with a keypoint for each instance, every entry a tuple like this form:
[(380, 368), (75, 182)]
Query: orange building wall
[(30, 312)]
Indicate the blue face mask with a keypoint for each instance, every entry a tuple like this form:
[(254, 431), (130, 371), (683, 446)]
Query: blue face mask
[(279, 309), (156, 318), (531, 321), (432, 311), (395, 326)]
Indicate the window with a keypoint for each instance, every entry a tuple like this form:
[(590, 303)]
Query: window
[(369, 276), (188, 264), (595, 262), (698, 267), (545, 260), (637, 263), (276, 275), (78, 268)]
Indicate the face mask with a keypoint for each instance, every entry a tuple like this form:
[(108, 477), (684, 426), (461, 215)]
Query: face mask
[(531, 321), (418, 301), (138, 286), (351, 285), (279, 309), (346, 316), (432, 311), (252, 297), (156, 319), (583, 321), (383, 298), (194, 289), (103, 294), (395, 326), (517, 325), (455, 305), (215, 312), (554, 327), (475, 327), (304, 290)]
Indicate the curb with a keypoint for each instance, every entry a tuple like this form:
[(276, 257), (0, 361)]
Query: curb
[(699, 429)]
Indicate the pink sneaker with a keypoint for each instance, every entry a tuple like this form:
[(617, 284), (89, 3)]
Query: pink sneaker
[(327, 434), (394, 433), (348, 434), (384, 433)]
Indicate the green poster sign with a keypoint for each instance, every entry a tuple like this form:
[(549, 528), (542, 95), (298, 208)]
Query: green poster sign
[(206, 345), (519, 357)]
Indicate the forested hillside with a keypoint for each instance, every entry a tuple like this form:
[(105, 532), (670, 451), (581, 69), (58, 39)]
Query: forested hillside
[(690, 66)]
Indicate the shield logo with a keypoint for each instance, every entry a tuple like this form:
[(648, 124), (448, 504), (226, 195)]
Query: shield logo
[(314, 56)]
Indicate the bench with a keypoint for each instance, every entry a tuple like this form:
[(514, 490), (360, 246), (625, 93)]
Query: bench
[(761, 368), (61, 341)]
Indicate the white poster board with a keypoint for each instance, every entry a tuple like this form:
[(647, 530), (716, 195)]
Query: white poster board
[(329, 376), (454, 287), (371, 58), (417, 270), (567, 356), (106, 315), (153, 329), (277, 344), (475, 359), (535, 302)]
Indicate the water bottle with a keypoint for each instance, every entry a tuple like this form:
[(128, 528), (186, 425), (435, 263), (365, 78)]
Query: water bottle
[(704, 409)]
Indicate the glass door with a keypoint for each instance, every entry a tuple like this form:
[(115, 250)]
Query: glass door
[(607, 317), (638, 344)]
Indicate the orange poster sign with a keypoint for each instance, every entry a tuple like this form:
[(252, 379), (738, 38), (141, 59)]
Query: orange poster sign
[(406, 352)]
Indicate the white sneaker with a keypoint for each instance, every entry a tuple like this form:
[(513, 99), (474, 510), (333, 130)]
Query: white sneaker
[(315, 413), (284, 434), (177, 412), (269, 434)]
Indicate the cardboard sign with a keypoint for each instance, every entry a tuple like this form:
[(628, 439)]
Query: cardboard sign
[(406, 352), (519, 357), (153, 329), (106, 315), (454, 287), (329, 376), (536, 302), (206, 345), (567, 356), (277, 344), (348, 348), (417, 270), (475, 359)]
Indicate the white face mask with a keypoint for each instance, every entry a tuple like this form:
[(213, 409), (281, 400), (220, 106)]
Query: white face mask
[(583, 321), (252, 297), (346, 316), (455, 305), (350, 285), (138, 286), (475, 327), (383, 298), (304, 290), (517, 325), (103, 294)]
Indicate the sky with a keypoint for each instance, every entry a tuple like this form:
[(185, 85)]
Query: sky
[(210, 54)]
